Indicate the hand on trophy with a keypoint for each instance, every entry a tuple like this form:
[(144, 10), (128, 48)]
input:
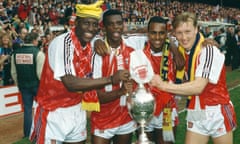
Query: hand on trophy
[(120, 75), (127, 87), (157, 82)]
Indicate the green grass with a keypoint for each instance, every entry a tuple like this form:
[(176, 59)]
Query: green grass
[(23, 141), (235, 97), (232, 77)]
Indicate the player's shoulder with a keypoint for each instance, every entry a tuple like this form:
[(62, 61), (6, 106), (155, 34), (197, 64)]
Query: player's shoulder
[(212, 50), (209, 47), (58, 40)]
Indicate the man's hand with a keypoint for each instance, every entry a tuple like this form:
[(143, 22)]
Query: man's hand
[(127, 87), (209, 41), (100, 48), (157, 82), (120, 75)]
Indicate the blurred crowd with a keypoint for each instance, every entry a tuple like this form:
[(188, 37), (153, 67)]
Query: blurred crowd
[(18, 17)]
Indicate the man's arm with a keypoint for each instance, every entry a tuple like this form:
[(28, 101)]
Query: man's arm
[(204, 74), (105, 97), (74, 84), (194, 87)]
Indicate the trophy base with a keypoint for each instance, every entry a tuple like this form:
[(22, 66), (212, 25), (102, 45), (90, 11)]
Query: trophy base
[(143, 139), (144, 142)]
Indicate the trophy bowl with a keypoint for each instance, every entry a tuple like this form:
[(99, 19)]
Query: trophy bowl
[(141, 107)]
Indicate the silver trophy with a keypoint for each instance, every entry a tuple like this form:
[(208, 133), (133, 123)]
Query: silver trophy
[(141, 104)]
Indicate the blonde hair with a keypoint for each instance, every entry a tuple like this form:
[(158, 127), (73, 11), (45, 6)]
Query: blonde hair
[(5, 34), (184, 17)]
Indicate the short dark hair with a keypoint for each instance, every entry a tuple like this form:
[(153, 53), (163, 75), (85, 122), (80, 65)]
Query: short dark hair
[(222, 30), (157, 19), (30, 37), (109, 13)]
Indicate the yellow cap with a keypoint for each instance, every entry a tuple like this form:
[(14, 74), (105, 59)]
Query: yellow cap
[(91, 10)]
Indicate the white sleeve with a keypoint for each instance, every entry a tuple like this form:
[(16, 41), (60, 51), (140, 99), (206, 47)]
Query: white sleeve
[(13, 70), (210, 65), (61, 62), (97, 66), (135, 41), (40, 63)]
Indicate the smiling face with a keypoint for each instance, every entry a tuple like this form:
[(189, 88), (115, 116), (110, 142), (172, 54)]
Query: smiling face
[(185, 29), (114, 29), (186, 33), (157, 34), (86, 29)]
